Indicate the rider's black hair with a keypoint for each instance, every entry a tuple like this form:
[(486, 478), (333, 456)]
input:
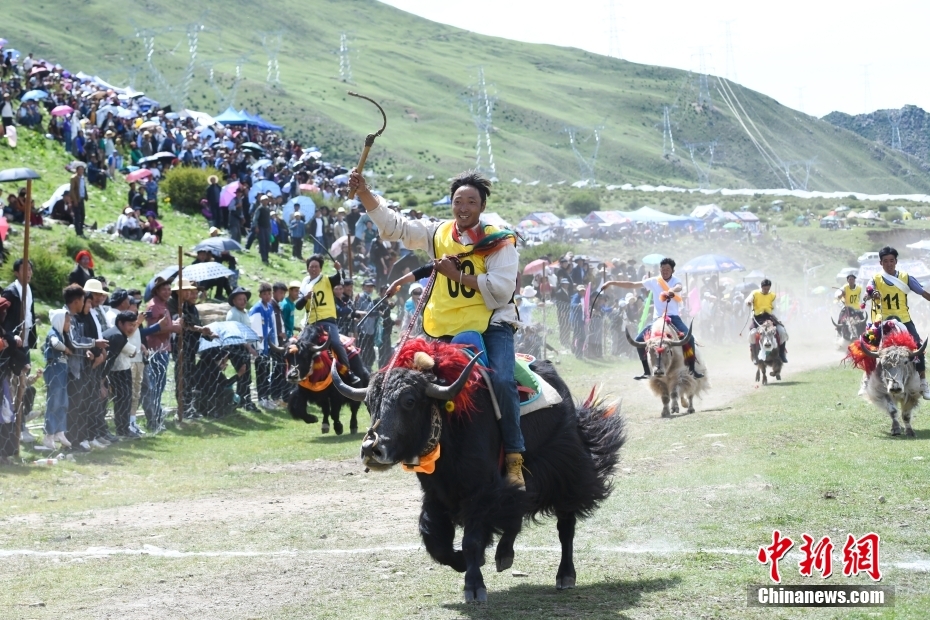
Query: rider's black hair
[(318, 258), (669, 262), (886, 251), (766, 282), (472, 179)]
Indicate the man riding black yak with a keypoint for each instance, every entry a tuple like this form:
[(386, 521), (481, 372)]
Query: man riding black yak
[(431, 409), (474, 294)]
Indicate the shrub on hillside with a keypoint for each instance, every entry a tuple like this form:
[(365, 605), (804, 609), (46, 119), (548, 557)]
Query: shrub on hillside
[(582, 203), (186, 187), (49, 276)]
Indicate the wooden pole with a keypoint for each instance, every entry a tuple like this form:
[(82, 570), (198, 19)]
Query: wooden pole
[(349, 253), (180, 362), (23, 283)]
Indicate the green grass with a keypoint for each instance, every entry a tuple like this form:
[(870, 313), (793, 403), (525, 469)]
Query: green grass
[(421, 71), (802, 455)]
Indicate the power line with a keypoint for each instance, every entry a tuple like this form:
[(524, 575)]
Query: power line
[(272, 42), (668, 142), (730, 57)]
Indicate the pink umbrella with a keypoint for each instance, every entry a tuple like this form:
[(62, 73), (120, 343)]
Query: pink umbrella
[(308, 187), (4, 228), (536, 266), (228, 194), (338, 244), (138, 175), (62, 110)]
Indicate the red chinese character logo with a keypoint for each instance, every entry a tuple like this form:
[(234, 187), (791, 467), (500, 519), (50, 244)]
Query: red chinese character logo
[(819, 556), (774, 552), (861, 556)]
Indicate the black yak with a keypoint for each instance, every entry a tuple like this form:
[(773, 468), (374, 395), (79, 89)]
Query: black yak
[(308, 367), (432, 413)]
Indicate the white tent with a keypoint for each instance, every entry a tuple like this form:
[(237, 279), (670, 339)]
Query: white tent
[(494, 220)]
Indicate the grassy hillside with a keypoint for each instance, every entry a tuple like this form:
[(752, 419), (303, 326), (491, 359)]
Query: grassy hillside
[(422, 71), (912, 124)]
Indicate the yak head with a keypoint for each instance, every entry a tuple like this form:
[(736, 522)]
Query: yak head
[(896, 367), (406, 404), (768, 338), (662, 346), (301, 355)]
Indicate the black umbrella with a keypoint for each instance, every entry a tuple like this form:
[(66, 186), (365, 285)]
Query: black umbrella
[(217, 245), (163, 156)]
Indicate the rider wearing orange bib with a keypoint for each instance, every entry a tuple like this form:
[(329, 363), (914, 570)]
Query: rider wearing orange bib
[(475, 295)]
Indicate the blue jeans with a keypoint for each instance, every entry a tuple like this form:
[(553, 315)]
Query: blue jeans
[(56, 398), (677, 323), (157, 371), (498, 339), (332, 331)]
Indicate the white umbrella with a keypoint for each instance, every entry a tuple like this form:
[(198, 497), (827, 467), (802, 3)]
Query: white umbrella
[(59, 193), (336, 247)]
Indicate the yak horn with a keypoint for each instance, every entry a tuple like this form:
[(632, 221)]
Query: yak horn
[(834, 322), (449, 392), (638, 345), (277, 349), (684, 338), (870, 352), (357, 394), (921, 348)]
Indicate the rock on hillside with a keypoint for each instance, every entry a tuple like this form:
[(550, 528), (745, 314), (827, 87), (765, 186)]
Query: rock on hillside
[(913, 125)]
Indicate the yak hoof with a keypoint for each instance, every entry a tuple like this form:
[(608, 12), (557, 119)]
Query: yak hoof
[(325, 428), (564, 583), (478, 595), (910, 432), (690, 409), (353, 429), (895, 430), (311, 419), (337, 426), (665, 413), (778, 377), (504, 562)]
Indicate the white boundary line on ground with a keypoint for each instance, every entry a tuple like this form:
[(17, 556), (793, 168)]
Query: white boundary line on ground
[(919, 565)]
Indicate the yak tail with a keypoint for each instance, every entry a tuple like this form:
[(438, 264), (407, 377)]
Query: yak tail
[(603, 431)]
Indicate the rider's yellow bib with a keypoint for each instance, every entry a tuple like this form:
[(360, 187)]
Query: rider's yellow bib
[(851, 296), (322, 303), (763, 302), (893, 299), (453, 308)]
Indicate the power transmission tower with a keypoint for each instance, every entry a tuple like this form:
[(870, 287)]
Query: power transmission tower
[(703, 87), (148, 41), (225, 98), (345, 65), (613, 37), (702, 148), (730, 57), (807, 164), (272, 42), (668, 143), (586, 165), (481, 106), (193, 38), (894, 117)]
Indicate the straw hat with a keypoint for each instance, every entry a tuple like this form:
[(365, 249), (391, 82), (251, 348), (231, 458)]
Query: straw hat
[(94, 286), (528, 292), (127, 211), (294, 284), (187, 285)]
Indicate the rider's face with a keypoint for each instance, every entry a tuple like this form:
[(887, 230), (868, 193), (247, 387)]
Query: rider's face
[(313, 269), (766, 289), (889, 262), (467, 207), (666, 271)]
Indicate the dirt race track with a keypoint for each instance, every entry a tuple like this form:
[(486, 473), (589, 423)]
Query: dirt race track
[(318, 538)]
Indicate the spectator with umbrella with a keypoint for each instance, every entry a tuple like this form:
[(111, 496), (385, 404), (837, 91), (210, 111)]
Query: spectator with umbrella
[(242, 354)]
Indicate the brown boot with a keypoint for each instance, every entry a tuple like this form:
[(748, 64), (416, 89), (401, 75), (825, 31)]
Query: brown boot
[(514, 462)]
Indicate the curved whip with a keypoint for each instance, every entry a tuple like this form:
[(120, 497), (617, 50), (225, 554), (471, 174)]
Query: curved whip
[(370, 138)]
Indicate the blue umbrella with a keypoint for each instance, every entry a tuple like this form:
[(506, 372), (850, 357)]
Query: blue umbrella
[(233, 332), (14, 54), (307, 207), (34, 95), (653, 259), (711, 263), (264, 187), (261, 164), (341, 179)]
